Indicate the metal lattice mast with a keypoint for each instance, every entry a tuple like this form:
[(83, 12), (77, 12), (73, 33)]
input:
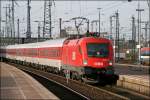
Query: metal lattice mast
[(148, 2), (133, 38), (47, 28), (28, 33), (117, 35), (110, 27), (10, 21), (99, 20), (0, 18), (18, 30), (6, 22), (13, 25)]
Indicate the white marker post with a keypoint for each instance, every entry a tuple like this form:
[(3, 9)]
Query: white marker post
[(139, 54), (67, 75)]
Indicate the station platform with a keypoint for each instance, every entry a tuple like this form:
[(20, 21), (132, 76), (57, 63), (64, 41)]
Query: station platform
[(16, 84), (134, 77)]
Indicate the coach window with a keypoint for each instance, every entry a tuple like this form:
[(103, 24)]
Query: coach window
[(17, 52), (34, 52), (20, 52), (45, 51)]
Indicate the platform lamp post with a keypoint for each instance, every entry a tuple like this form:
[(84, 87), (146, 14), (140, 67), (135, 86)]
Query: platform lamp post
[(114, 43)]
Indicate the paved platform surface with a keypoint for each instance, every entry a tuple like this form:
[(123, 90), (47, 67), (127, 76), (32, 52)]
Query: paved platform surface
[(134, 77), (139, 72), (16, 84)]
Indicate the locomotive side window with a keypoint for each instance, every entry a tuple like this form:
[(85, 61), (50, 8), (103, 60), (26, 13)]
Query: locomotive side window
[(97, 50)]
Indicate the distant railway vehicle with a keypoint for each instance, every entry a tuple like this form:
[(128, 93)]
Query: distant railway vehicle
[(86, 58), (121, 56), (145, 55)]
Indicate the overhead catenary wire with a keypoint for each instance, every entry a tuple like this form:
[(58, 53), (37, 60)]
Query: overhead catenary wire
[(104, 9)]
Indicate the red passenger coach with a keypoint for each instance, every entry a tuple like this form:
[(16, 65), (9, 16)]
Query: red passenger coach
[(86, 58), (46, 53)]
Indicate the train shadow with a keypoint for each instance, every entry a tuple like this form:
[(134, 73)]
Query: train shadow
[(107, 80)]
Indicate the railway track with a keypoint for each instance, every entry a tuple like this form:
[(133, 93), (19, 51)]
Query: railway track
[(59, 90), (84, 90), (126, 93)]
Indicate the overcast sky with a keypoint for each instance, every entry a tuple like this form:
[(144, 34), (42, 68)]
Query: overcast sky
[(69, 9)]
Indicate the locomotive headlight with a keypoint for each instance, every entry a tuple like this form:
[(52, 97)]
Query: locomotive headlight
[(85, 62), (110, 63)]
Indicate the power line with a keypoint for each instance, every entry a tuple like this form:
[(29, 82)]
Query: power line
[(104, 9), (109, 8), (37, 11)]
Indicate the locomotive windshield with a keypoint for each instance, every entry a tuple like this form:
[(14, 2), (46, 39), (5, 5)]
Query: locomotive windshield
[(97, 50)]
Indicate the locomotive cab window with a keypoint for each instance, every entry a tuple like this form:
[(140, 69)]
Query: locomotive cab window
[(97, 50)]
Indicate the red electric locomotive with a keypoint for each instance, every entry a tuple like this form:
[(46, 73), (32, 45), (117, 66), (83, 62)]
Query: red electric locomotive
[(88, 57)]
